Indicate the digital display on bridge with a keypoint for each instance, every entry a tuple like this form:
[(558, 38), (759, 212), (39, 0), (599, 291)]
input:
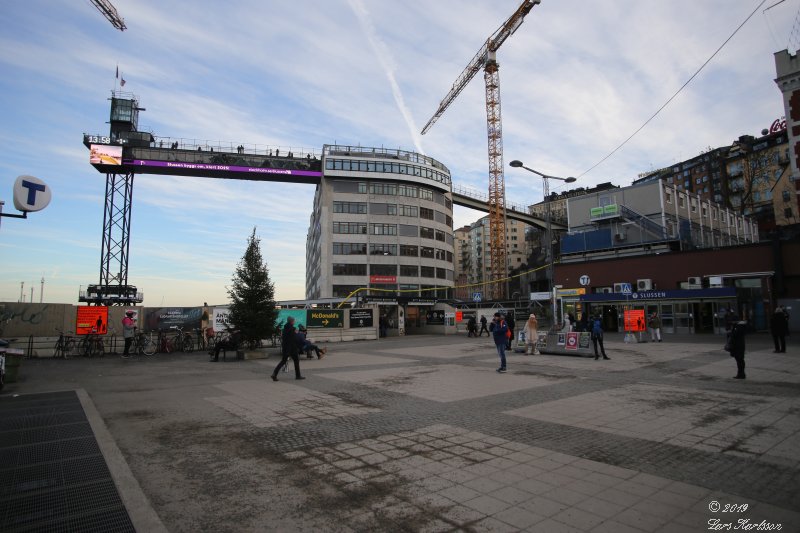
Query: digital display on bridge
[(220, 168), (102, 154)]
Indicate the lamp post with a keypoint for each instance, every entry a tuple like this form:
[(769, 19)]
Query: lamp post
[(545, 178)]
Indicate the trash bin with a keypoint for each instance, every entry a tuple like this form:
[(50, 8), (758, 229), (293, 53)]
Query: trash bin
[(13, 361)]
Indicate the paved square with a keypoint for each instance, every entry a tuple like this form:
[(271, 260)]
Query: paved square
[(263, 404), (442, 383)]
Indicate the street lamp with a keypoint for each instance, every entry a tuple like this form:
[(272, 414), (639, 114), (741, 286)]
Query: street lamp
[(545, 178)]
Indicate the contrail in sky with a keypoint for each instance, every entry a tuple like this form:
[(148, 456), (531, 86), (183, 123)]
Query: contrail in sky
[(385, 59)]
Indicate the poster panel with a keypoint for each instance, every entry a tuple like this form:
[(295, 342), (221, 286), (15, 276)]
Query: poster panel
[(91, 319), (298, 314), (220, 319), (326, 318), (361, 318), (572, 340), (187, 318), (634, 320)]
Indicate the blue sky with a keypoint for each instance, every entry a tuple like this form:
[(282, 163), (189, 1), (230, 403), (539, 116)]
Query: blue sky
[(576, 79)]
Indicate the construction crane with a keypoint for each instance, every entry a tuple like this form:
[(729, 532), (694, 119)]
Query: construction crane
[(110, 12), (486, 59)]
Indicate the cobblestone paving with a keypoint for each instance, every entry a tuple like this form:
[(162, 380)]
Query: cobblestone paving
[(430, 438)]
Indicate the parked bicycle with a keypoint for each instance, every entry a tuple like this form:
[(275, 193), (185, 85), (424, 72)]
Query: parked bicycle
[(164, 342), (92, 345), (65, 345), (182, 341), (143, 344)]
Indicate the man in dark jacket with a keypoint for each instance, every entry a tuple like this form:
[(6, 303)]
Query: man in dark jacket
[(736, 345), (289, 348), (779, 324), (499, 330), (597, 338), (483, 327)]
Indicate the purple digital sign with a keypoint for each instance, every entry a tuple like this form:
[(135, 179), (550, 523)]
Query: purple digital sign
[(221, 168)]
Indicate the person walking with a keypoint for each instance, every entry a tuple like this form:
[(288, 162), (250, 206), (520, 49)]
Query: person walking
[(383, 326), (531, 332), (736, 346), (655, 327), (289, 348), (128, 330), (597, 338), (499, 330), (483, 327), (472, 327), (779, 324), (510, 324)]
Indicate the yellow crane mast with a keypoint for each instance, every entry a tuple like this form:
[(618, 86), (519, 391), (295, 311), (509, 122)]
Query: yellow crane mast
[(486, 59)]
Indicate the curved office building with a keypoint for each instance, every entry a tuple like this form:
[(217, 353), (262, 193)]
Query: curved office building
[(382, 219)]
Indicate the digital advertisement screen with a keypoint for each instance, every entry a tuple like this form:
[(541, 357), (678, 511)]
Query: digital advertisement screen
[(104, 154), (148, 163)]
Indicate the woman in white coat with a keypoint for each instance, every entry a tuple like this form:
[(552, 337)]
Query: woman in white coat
[(531, 331)]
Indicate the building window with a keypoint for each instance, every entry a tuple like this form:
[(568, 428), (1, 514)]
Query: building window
[(441, 273), (342, 291), (440, 254), (362, 187), (408, 250), (382, 249), (426, 194), (409, 211), (668, 197), (346, 269), (409, 191), (787, 212), (383, 188), (359, 208), (383, 270), (411, 271), (426, 252), (426, 213), (681, 200), (440, 236), (426, 233), (427, 272), (786, 195), (349, 248), (449, 257), (383, 229), (349, 227)]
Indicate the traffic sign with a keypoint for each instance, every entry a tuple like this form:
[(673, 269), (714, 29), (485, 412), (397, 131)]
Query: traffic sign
[(584, 280), (626, 288), (477, 296)]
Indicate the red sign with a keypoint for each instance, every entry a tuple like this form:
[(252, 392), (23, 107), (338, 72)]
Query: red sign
[(91, 319), (778, 125), (383, 279), (634, 320), (459, 316), (572, 341)]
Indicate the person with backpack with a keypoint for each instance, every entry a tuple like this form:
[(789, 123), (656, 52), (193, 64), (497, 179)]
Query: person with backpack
[(597, 337), (500, 332)]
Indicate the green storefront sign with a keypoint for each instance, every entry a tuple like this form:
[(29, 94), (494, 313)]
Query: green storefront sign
[(326, 318)]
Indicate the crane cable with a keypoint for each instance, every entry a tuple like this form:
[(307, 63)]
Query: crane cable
[(615, 150)]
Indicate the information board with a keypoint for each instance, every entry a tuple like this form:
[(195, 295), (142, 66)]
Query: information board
[(634, 320), (91, 319), (361, 318), (326, 318)]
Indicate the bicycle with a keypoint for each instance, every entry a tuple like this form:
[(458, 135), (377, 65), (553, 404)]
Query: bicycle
[(143, 344), (164, 343), (92, 345), (65, 345), (182, 341)]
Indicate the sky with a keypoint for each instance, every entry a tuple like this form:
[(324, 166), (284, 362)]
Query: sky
[(576, 79)]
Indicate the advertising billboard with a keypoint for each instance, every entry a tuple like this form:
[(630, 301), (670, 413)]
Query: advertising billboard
[(634, 320), (165, 317), (361, 318), (91, 319)]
